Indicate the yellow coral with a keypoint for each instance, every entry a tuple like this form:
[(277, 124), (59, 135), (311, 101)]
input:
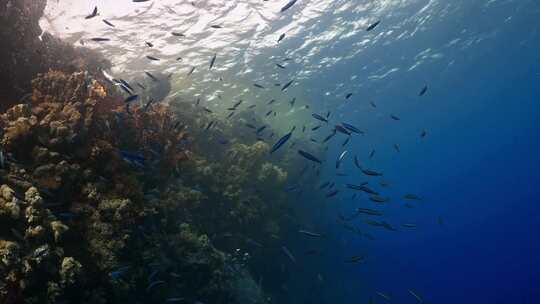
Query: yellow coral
[(32, 196), (270, 173), (58, 229), (9, 253), (70, 270), (9, 204), (6, 193)]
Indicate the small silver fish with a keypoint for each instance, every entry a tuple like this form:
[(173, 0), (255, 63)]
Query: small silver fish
[(309, 233), (385, 296), (213, 61), (411, 196), (414, 294), (2, 160), (93, 14), (409, 225), (340, 158), (108, 23), (288, 254)]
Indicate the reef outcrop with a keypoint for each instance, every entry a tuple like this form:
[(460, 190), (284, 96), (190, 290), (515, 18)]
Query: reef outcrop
[(72, 191), (101, 202)]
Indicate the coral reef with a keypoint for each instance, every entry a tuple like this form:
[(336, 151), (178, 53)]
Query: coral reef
[(31, 248), (107, 202), (82, 195), (103, 203)]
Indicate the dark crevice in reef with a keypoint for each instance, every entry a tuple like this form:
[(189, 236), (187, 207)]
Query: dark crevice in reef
[(24, 53), (103, 204)]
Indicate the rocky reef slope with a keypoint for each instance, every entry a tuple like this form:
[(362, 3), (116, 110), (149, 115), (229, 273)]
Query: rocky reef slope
[(103, 205)]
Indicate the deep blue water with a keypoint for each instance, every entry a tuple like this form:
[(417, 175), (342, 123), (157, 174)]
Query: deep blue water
[(478, 168)]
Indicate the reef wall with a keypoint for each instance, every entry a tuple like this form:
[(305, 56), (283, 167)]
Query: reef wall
[(97, 197)]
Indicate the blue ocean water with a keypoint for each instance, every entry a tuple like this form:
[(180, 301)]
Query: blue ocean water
[(477, 168)]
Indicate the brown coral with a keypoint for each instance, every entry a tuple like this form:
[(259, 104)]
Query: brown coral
[(68, 142)]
